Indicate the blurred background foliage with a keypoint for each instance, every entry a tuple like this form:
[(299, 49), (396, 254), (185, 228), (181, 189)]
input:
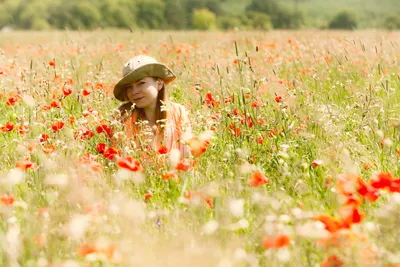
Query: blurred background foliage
[(199, 14)]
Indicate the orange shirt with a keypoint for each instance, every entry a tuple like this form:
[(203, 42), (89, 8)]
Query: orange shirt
[(177, 125)]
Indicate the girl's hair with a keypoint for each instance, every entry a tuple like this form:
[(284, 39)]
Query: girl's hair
[(138, 113)]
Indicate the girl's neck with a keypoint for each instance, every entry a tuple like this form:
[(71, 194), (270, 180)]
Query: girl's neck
[(151, 113)]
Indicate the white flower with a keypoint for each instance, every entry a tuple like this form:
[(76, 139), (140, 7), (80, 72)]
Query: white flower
[(236, 207), (210, 227)]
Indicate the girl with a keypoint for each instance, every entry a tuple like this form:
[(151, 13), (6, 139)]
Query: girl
[(147, 107)]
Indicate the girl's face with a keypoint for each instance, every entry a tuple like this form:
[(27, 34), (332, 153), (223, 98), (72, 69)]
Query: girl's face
[(143, 93)]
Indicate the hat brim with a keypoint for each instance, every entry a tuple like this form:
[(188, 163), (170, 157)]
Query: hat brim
[(149, 70)]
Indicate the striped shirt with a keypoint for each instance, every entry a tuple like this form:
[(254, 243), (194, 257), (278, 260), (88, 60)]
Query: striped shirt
[(177, 126)]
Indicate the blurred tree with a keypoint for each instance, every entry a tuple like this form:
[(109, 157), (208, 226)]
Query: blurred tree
[(33, 15), (5, 17), (285, 19), (74, 14), (229, 22), (345, 19), (265, 6), (175, 13), (212, 5), (118, 13), (150, 14), (392, 22), (259, 20), (203, 19), (86, 15)]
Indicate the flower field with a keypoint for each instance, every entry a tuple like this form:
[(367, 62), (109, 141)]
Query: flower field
[(294, 155)]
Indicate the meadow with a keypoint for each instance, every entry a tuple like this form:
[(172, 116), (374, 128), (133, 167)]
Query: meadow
[(295, 154)]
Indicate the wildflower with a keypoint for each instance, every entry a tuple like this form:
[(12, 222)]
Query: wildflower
[(57, 126), (129, 163), (43, 138), (170, 175), (197, 146), (55, 104), (90, 160), (278, 99), (110, 153), (257, 179), (22, 129), (235, 61), (101, 148), (183, 165), (260, 140), (332, 261), (7, 199), (48, 149), (210, 101), (24, 165), (366, 191), (256, 104), (52, 63), (276, 242), (163, 150), (147, 196), (331, 224), (86, 92), (66, 91), (8, 127), (86, 249), (11, 101), (105, 128), (382, 180), (316, 163)]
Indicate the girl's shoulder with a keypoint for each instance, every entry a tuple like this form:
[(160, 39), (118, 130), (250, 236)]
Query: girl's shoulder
[(176, 110)]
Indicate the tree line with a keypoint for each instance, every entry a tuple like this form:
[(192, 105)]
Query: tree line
[(160, 14)]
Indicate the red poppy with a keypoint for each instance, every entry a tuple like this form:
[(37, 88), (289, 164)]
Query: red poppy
[(22, 129), (210, 101), (43, 138), (52, 63), (147, 196), (276, 242), (57, 126), (197, 146), (48, 149), (110, 153), (260, 140), (86, 92), (366, 191), (66, 91), (183, 165), (8, 127), (278, 99), (382, 180), (105, 128), (7, 199), (163, 150), (11, 101), (258, 179), (101, 148), (129, 163), (332, 261), (55, 104), (90, 160), (331, 224), (170, 175), (256, 104), (24, 165), (86, 249)]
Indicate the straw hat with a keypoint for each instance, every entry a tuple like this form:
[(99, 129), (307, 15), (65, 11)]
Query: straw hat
[(138, 68)]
